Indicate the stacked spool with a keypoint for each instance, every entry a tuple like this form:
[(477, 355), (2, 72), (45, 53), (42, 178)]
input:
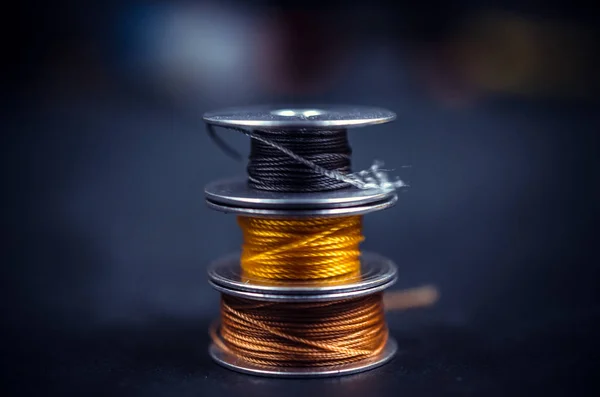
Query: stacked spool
[(301, 300)]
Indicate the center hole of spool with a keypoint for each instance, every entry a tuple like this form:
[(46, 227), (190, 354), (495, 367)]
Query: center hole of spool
[(297, 112)]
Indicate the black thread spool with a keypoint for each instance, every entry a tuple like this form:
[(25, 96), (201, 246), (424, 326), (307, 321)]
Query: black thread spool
[(281, 184)]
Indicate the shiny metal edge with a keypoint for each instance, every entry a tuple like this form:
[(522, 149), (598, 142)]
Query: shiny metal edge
[(291, 296), (376, 270), (330, 212), (229, 361), (307, 117), (234, 192)]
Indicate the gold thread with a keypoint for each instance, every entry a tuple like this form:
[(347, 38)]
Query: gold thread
[(301, 249)]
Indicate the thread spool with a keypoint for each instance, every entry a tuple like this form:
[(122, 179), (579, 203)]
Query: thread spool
[(364, 193), (293, 365)]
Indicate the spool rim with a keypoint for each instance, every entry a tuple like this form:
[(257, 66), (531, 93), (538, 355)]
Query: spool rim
[(325, 297), (291, 295), (386, 203), (270, 117), (377, 272), (235, 192), (229, 361)]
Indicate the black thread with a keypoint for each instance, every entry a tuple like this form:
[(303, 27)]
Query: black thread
[(273, 170), (270, 169)]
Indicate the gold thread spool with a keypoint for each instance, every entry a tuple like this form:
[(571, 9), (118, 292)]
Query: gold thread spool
[(301, 249)]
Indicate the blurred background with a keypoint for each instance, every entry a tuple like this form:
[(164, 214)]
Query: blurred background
[(105, 158)]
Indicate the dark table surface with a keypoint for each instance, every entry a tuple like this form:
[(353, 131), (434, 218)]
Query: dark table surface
[(108, 242), (167, 356)]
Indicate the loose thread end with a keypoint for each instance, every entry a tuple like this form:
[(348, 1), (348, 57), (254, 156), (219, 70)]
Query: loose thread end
[(412, 298), (376, 178)]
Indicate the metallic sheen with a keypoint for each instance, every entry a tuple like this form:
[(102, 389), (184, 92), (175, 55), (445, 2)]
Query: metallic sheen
[(293, 117), (235, 192), (375, 269), (378, 273), (325, 297), (237, 364), (282, 210)]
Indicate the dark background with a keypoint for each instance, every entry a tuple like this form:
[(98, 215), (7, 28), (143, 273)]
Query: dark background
[(106, 237)]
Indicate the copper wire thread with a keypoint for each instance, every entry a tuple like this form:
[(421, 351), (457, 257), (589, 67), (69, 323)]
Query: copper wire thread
[(301, 249), (294, 334), (254, 339)]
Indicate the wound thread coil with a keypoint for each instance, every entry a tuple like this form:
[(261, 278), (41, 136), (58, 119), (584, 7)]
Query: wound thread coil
[(311, 334), (270, 169), (301, 249)]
